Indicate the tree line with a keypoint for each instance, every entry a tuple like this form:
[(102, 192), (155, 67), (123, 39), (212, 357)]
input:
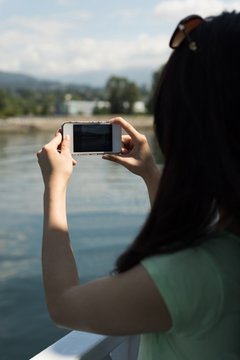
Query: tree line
[(119, 92)]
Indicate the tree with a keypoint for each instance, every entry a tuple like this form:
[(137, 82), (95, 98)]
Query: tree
[(121, 93), (9, 105)]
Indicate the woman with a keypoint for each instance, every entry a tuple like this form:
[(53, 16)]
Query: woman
[(179, 282)]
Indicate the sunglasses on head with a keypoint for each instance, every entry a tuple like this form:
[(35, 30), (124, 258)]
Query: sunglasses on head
[(182, 31)]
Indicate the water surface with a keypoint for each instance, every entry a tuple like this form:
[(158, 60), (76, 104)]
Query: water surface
[(106, 208)]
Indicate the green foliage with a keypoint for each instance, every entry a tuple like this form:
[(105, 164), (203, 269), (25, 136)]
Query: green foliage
[(121, 93), (100, 111), (26, 102), (9, 105), (41, 102)]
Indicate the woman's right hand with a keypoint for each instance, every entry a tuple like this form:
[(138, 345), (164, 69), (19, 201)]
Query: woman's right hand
[(136, 156), (56, 166)]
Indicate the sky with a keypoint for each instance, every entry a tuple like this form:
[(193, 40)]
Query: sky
[(88, 41)]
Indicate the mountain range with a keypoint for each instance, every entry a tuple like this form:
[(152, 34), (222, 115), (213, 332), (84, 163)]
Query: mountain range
[(14, 81)]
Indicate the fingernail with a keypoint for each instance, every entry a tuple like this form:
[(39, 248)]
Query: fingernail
[(67, 137)]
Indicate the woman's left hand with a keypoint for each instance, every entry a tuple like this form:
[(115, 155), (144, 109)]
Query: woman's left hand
[(56, 162)]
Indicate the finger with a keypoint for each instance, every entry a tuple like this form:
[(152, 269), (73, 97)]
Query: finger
[(127, 144), (126, 126), (124, 151), (39, 152), (59, 130), (126, 139), (56, 133), (115, 158), (56, 141), (74, 162), (65, 146)]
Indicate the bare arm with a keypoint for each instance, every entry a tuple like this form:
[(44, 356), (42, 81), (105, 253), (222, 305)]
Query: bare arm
[(127, 303), (136, 156)]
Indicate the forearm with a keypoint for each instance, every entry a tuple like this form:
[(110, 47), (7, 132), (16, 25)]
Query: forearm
[(58, 263), (152, 180)]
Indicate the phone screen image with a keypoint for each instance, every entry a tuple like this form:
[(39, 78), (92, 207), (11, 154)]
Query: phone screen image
[(92, 138)]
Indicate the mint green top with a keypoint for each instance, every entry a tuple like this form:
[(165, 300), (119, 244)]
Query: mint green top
[(201, 288)]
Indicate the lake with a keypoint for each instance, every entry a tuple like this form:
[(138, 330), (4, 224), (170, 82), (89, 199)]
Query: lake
[(107, 206)]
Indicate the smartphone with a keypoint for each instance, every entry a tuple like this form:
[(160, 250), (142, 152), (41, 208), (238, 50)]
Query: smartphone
[(89, 138)]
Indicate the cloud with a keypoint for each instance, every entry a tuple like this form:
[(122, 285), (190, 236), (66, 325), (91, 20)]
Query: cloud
[(174, 10), (61, 43), (48, 47), (38, 25), (42, 56), (116, 55)]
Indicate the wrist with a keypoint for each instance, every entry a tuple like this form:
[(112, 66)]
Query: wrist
[(152, 180), (55, 208), (55, 187), (54, 196), (152, 175)]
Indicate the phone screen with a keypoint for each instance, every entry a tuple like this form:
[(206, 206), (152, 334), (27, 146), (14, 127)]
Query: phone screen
[(92, 138)]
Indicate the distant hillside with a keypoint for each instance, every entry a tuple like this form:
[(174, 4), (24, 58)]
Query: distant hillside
[(17, 81), (22, 81)]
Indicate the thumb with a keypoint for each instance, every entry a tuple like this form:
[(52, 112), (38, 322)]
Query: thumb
[(116, 158), (56, 141), (65, 146)]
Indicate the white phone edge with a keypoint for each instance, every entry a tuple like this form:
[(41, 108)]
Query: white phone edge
[(67, 129)]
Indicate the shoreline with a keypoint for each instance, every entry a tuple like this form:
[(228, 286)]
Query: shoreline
[(36, 124)]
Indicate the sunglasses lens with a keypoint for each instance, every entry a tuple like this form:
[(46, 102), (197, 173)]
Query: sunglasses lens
[(185, 27), (177, 38), (191, 25)]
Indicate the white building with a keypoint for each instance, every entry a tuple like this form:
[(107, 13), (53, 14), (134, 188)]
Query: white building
[(87, 107), (139, 107), (76, 107)]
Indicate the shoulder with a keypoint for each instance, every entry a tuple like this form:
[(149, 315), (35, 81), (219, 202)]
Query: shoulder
[(190, 285), (191, 262)]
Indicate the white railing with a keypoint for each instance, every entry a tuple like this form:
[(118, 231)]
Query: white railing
[(85, 346)]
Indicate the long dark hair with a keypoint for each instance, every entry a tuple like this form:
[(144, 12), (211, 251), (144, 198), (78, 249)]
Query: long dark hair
[(197, 122)]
